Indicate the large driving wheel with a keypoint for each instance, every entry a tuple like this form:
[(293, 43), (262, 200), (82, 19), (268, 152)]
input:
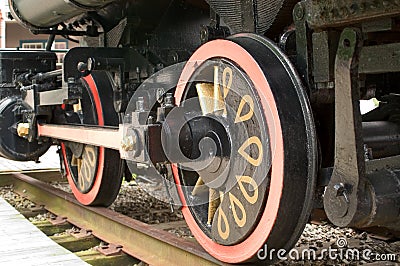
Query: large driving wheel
[(260, 185), (94, 173)]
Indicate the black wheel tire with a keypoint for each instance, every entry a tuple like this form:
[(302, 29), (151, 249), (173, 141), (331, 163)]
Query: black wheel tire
[(104, 184)]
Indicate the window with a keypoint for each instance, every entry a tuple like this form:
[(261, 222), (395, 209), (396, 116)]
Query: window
[(32, 45), (60, 45)]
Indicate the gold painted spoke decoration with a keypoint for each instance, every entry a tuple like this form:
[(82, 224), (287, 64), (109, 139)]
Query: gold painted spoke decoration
[(211, 97), (250, 144), (238, 211), (87, 167), (234, 209), (242, 181), (240, 117), (212, 101), (240, 205), (77, 107), (200, 188), (87, 164), (213, 204)]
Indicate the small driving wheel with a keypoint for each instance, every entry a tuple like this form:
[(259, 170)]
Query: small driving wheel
[(94, 173), (258, 188)]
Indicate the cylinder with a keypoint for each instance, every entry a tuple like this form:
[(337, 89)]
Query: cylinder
[(42, 14), (383, 137), (381, 204)]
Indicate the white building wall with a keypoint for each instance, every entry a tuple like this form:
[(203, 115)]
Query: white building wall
[(4, 11)]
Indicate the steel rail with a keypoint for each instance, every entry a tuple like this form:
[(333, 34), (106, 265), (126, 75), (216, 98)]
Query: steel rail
[(142, 241)]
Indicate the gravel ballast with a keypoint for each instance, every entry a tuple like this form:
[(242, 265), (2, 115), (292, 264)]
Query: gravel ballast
[(133, 201)]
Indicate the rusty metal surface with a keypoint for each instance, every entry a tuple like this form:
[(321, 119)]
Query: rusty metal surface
[(58, 220), (380, 59), (142, 241), (110, 250), (353, 196), (82, 233), (333, 13), (341, 196)]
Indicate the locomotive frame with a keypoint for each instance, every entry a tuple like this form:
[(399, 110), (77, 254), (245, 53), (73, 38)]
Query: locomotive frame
[(284, 116)]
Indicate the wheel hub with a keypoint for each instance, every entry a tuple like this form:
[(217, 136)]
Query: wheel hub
[(211, 149)]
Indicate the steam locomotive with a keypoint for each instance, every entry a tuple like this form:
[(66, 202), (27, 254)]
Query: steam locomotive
[(248, 111)]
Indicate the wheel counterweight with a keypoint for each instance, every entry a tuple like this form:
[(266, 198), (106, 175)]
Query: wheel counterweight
[(265, 191)]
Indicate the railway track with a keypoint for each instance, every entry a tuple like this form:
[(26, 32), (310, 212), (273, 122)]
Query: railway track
[(80, 228), (147, 243)]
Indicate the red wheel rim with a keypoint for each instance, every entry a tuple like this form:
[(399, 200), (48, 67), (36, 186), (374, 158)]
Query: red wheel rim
[(90, 197), (248, 248)]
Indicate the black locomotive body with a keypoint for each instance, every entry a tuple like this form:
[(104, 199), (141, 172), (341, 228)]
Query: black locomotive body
[(247, 111)]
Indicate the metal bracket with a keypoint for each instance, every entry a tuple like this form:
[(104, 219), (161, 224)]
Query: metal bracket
[(123, 64), (82, 233), (380, 59), (110, 250), (79, 60), (59, 220), (344, 189), (302, 46), (333, 13)]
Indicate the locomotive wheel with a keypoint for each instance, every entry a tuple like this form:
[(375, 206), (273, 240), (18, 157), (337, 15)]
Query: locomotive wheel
[(12, 146), (266, 195), (94, 173)]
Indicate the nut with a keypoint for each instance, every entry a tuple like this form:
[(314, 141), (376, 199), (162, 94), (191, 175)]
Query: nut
[(128, 143), (23, 129)]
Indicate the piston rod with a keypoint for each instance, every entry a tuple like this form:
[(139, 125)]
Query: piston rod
[(48, 75), (382, 137), (107, 137)]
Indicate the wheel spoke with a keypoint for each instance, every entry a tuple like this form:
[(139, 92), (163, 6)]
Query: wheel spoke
[(199, 188), (241, 206), (210, 98), (213, 204), (78, 107), (74, 161)]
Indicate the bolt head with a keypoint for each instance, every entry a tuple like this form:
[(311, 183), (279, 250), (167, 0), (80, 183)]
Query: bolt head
[(128, 143), (340, 189), (23, 129), (299, 12)]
